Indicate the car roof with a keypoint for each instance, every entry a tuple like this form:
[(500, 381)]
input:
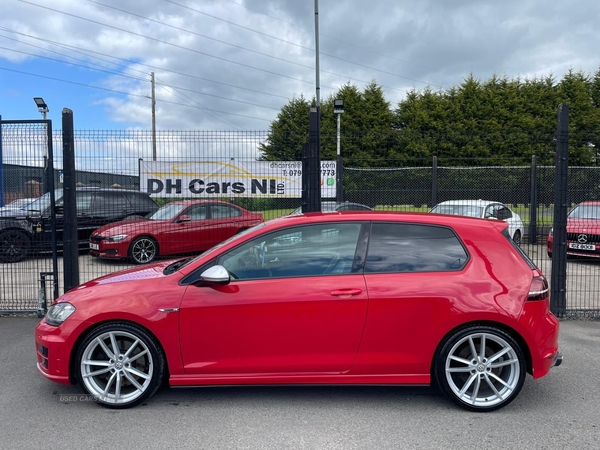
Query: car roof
[(591, 202), (99, 189), (467, 202), (200, 202), (380, 216)]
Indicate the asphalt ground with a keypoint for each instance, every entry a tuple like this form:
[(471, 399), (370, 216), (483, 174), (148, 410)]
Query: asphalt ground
[(559, 411)]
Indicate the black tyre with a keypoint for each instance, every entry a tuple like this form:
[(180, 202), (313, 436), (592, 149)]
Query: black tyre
[(15, 246), (143, 250), (517, 238), (480, 368), (120, 365)]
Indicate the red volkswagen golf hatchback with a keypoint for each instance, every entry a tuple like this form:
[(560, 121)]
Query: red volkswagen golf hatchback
[(337, 298)]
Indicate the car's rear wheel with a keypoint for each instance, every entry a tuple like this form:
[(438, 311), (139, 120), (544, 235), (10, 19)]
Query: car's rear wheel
[(143, 250), (15, 245), (120, 365), (517, 238), (480, 368)]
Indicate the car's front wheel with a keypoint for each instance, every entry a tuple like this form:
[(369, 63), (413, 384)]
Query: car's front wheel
[(481, 368), (15, 245), (120, 365), (143, 250)]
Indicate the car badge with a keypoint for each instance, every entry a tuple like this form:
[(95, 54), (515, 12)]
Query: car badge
[(582, 238)]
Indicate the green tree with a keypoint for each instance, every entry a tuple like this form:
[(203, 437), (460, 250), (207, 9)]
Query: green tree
[(288, 133)]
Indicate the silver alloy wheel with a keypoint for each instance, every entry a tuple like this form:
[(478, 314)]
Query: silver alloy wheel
[(143, 250), (117, 367), (483, 370)]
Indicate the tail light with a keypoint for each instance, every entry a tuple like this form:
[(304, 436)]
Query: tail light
[(538, 289)]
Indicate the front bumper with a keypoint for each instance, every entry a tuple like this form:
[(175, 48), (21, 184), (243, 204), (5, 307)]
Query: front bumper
[(53, 349)]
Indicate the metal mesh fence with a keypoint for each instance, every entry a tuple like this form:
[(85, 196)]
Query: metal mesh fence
[(194, 164), (24, 154)]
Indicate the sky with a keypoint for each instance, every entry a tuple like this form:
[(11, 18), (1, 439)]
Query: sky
[(233, 64)]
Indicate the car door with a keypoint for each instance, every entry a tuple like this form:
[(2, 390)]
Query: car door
[(223, 222), (414, 273), (293, 305), (190, 235), (83, 201)]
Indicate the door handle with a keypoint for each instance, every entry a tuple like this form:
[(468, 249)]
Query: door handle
[(345, 292)]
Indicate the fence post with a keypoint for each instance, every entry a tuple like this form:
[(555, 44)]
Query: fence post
[(70, 240), (558, 296), (311, 170), (51, 186), (533, 202), (434, 182)]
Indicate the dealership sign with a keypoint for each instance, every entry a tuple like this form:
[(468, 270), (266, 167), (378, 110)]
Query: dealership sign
[(230, 179)]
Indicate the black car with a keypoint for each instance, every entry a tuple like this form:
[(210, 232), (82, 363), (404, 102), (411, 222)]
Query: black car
[(28, 230), (337, 206)]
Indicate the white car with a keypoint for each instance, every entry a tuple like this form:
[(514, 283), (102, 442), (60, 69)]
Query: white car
[(486, 210)]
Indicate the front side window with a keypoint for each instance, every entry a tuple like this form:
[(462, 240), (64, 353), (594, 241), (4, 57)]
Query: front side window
[(196, 212), (400, 247), (167, 212), (503, 213), (310, 250)]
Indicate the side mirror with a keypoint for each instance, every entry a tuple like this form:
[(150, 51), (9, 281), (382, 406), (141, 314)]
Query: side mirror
[(215, 275), (184, 218)]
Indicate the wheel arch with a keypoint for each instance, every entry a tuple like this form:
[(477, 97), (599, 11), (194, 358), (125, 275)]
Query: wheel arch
[(91, 328), (507, 329)]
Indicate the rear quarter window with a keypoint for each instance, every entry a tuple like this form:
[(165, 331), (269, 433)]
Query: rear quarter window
[(402, 247)]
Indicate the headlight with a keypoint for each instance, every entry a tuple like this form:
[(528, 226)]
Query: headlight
[(116, 238), (58, 313), (552, 231)]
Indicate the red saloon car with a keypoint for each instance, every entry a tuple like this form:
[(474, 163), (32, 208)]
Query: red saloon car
[(346, 298), (583, 231), (176, 228)]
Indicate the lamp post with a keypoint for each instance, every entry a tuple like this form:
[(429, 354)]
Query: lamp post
[(43, 109), (338, 110)]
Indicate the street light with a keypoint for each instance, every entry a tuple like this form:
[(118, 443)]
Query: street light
[(42, 107), (338, 110)]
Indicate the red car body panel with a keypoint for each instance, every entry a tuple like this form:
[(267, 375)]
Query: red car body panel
[(350, 329), (174, 236)]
